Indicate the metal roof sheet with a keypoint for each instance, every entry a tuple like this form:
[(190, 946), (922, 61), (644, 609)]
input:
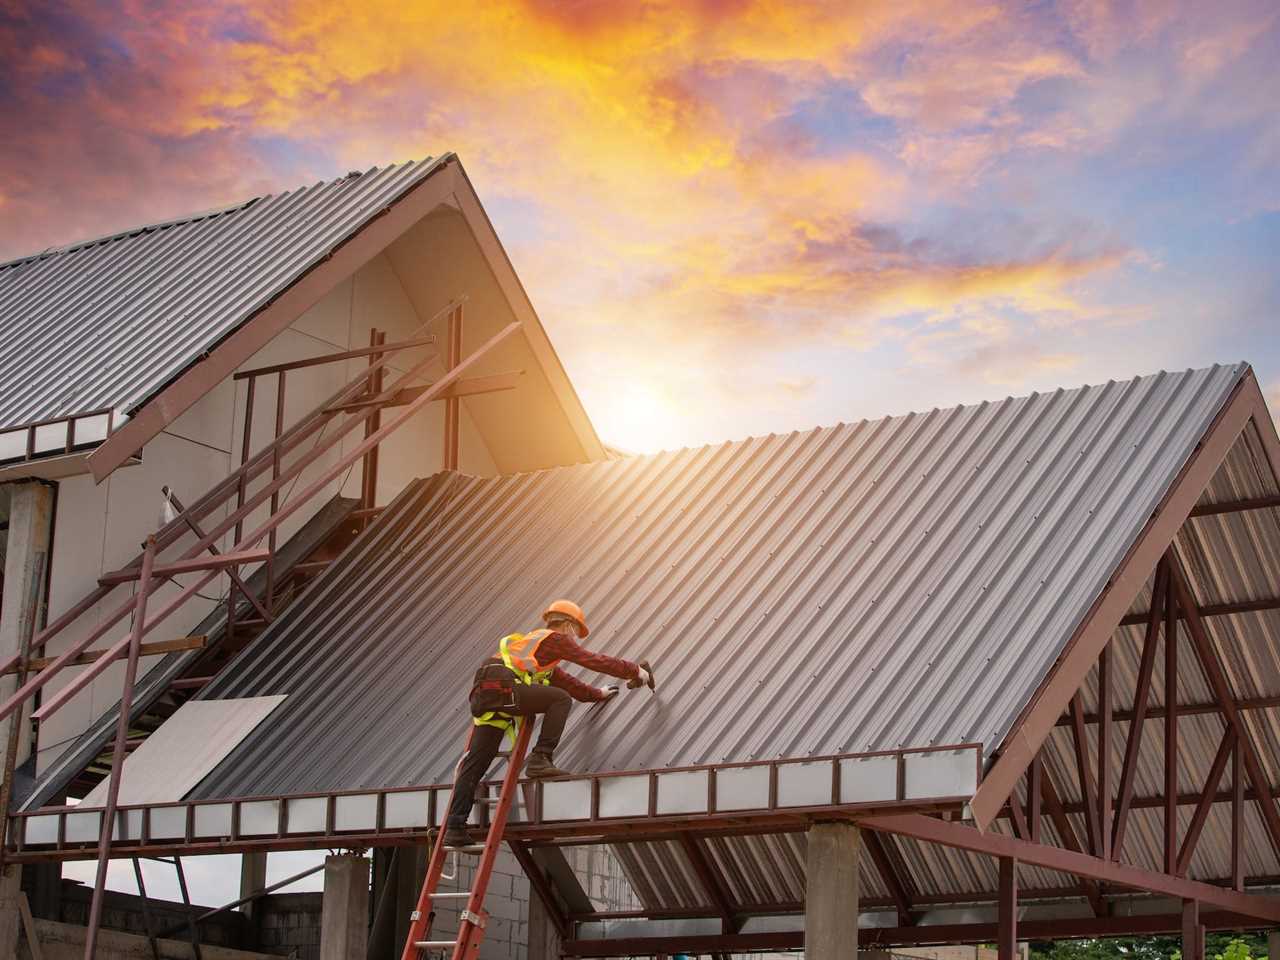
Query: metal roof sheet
[(899, 582), (103, 325)]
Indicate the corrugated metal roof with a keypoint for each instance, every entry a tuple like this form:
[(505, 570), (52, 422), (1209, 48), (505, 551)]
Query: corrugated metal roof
[(900, 582), (105, 324)]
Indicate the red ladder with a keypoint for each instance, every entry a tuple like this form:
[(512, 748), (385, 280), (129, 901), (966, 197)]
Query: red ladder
[(472, 922)]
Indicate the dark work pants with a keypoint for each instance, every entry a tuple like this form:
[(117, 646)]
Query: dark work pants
[(530, 700)]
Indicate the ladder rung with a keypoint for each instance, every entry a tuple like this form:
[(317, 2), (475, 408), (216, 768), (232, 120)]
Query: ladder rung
[(494, 800), (451, 896), (470, 848), (434, 944)]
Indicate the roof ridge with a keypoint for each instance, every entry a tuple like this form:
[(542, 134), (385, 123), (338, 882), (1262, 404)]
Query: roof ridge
[(1242, 366)]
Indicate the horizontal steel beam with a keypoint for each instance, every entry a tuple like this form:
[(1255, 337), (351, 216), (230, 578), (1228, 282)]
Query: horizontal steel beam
[(1214, 610), (335, 357), (494, 383), (146, 650), (961, 837), (1182, 710), (1235, 506), (950, 933), (192, 565)]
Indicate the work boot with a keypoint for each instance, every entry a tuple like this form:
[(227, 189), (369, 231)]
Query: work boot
[(540, 767), (457, 835)]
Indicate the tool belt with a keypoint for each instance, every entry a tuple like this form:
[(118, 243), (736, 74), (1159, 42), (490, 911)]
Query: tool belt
[(493, 688)]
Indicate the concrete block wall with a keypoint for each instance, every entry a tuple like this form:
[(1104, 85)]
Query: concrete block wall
[(290, 922), (507, 902)]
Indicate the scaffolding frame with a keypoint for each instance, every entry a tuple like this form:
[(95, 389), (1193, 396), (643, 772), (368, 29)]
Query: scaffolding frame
[(359, 402)]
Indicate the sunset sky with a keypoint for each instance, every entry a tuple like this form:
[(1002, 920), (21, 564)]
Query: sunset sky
[(733, 217)]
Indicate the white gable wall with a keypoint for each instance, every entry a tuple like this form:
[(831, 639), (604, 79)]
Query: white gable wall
[(100, 528)]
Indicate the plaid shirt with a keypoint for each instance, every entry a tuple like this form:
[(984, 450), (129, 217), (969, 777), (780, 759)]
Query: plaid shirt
[(561, 646)]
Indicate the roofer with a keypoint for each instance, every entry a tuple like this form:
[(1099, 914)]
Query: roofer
[(523, 680)]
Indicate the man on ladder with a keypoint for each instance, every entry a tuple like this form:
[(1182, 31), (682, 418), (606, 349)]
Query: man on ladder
[(524, 679)]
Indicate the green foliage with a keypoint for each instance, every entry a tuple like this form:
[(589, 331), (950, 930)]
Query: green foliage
[(1219, 946)]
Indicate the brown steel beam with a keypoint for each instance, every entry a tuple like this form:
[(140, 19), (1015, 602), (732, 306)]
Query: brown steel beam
[(962, 837), (148, 650), (1192, 931), (118, 751), (1237, 813), (1104, 753), (1192, 838), (1142, 694), (1183, 710), (1016, 813), (1007, 911), (452, 405), (713, 886), (236, 581), (893, 883), (192, 565), (1096, 628), (369, 469), (1235, 506), (379, 349), (1261, 605), (1067, 833), (1085, 772), (472, 386), (1035, 796), (1221, 687)]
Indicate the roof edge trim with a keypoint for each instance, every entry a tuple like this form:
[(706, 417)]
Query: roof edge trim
[(1242, 404)]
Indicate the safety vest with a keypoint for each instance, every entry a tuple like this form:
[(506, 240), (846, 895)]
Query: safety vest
[(518, 652)]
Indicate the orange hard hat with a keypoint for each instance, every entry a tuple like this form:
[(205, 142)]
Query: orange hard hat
[(567, 608)]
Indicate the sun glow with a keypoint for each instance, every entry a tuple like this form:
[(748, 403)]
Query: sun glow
[(637, 418)]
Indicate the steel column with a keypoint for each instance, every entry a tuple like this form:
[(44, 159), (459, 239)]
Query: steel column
[(1237, 812), (1084, 771), (1007, 924), (1104, 753), (369, 474), (1141, 696), (1192, 931), (1034, 796), (452, 405)]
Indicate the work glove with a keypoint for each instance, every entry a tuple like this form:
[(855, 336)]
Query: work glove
[(607, 693), (644, 679)]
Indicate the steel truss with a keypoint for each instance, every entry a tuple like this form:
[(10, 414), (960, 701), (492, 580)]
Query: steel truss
[(1019, 806)]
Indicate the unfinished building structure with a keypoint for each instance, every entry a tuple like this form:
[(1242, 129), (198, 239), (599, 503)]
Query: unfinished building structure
[(984, 674)]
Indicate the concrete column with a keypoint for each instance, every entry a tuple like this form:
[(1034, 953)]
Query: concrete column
[(253, 877), (344, 915), (831, 892), (26, 558), (544, 939), (1273, 944)]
